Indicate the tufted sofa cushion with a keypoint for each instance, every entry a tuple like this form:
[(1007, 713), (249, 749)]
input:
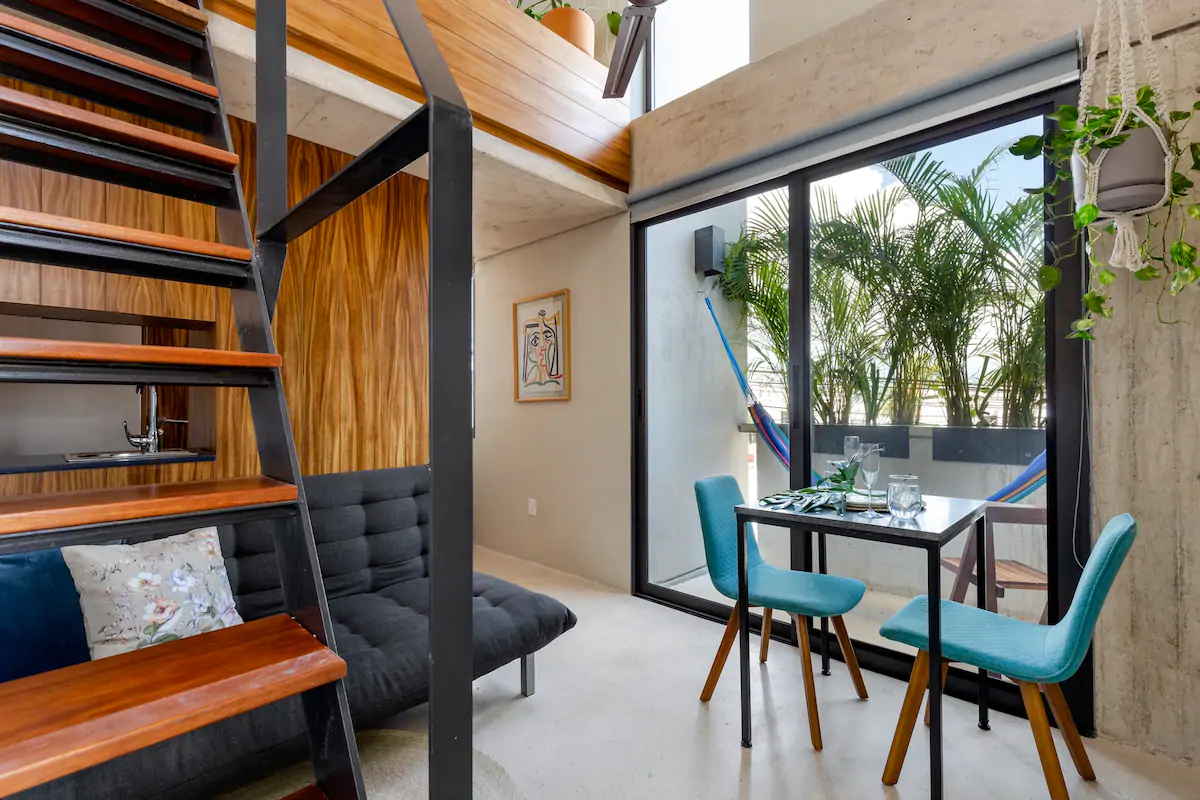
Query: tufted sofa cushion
[(372, 532)]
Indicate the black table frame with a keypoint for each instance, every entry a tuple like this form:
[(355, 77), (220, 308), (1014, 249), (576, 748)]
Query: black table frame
[(825, 523)]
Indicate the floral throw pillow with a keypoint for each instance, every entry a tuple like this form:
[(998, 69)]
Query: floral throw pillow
[(137, 595)]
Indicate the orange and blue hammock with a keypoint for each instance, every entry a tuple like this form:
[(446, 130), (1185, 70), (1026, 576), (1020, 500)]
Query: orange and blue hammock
[(1025, 484)]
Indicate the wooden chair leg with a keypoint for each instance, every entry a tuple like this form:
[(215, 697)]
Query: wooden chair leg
[(1040, 724), (966, 568), (766, 636), (917, 684), (714, 674), (945, 672), (1066, 725), (850, 658), (810, 686)]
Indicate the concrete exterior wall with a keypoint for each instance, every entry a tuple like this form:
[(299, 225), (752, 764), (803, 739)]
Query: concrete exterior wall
[(894, 48), (571, 457), (1146, 446), (693, 402), (778, 24)]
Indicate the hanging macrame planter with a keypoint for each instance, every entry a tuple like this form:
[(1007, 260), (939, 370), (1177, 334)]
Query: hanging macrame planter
[(1129, 174)]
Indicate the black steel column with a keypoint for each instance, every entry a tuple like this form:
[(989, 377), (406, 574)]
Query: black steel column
[(934, 567), (982, 576), (450, 560), (271, 185), (744, 628)]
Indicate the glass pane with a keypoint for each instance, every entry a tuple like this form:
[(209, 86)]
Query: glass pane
[(697, 421), (928, 338)]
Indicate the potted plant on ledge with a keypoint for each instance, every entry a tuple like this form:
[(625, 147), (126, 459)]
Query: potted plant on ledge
[(572, 24), (1129, 166)]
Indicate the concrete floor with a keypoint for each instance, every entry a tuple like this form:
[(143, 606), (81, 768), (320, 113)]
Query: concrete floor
[(617, 716)]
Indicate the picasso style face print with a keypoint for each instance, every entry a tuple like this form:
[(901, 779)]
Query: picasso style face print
[(541, 347)]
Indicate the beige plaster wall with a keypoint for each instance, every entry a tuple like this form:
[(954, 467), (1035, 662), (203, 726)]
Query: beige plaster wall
[(892, 49), (572, 457), (1147, 445)]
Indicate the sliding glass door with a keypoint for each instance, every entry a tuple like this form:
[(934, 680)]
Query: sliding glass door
[(890, 295)]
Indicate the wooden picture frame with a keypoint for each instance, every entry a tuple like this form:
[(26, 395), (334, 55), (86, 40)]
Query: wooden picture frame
[(542, 347)]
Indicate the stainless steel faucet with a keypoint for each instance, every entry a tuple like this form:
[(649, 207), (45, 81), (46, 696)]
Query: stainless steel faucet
[(150, 441)]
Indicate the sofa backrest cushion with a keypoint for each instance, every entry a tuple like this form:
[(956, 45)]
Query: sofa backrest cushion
[(371, 530)]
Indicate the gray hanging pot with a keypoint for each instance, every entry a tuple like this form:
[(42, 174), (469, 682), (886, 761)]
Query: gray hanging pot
[(1132, 176)]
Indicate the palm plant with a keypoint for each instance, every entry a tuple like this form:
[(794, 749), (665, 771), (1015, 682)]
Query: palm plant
[(757, 276)]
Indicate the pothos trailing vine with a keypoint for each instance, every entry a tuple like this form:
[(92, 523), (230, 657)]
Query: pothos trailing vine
[(1168, 256)]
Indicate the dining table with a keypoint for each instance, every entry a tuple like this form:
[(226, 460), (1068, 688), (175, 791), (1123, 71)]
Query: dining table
[(938, 523)]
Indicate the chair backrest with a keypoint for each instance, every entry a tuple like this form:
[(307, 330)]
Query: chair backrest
[(715, 499), (1072, 635)]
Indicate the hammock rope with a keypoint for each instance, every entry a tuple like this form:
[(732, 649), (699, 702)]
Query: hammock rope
[(776, 439)]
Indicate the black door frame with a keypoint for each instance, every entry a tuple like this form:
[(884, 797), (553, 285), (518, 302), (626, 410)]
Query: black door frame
[(1068, 484)]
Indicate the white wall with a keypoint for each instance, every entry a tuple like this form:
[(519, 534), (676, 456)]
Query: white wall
[(572, 457), (696, 42), (693, 402), (778, 24), (66, 418)]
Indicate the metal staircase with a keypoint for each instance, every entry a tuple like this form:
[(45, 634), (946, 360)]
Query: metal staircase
[(65, 721)]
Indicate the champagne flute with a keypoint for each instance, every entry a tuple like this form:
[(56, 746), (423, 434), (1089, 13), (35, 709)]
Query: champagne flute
[(870, 472)]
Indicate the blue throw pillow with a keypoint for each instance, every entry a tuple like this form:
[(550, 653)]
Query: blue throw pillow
[(40, 621)]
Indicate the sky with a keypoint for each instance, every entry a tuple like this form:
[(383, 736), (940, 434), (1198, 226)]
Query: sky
[(1008, 179)]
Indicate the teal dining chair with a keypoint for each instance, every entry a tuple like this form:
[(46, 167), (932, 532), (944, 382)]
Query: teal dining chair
[(1033, 656), (801, 595)]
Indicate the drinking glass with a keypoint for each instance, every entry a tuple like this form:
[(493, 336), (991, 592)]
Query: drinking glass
[(850, 447), (870, 472), (904, 496)]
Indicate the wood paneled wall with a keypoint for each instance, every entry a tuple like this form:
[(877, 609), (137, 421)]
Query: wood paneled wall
[(351, 326), (351, 323), (522, 82)]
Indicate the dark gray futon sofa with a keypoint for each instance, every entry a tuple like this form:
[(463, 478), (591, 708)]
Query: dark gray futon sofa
[(372, 532)]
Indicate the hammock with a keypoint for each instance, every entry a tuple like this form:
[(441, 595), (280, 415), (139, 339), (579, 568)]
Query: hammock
[(776, 439)]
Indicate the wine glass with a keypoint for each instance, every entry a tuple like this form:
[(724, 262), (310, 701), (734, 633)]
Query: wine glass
[(870, 472)]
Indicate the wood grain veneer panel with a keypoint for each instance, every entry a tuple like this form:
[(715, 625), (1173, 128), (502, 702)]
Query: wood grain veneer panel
[(20, 281), (66, 720), (195, 222), (133, 208), (67, 509), (20, 186)]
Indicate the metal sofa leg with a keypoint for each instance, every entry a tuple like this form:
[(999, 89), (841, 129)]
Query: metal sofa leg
[(527, 675)]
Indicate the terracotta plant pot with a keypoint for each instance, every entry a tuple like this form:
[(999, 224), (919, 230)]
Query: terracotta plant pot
[(1131, 177), (573, 25)]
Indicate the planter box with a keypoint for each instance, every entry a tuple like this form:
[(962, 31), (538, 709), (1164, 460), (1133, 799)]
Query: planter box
[(1016, 446), (830, 438)]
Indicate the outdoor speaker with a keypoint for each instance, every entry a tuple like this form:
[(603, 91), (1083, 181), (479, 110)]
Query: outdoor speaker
[(710, 251)]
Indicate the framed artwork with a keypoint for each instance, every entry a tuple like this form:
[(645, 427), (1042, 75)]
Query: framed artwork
[(542, 347)]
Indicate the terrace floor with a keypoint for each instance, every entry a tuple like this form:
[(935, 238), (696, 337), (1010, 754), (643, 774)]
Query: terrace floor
[(616, 715)]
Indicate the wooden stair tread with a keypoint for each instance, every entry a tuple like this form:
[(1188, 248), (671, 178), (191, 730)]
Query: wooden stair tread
[(114, 57), (179, 13), (38, 219), (312, 792), (60, 115), (63, 721), (37, 512), (1009, 574), (16, 347)]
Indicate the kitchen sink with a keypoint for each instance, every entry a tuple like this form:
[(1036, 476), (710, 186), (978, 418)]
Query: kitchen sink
[(128, 455)]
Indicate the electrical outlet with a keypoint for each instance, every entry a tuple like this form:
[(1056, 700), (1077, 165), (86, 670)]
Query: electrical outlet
[(531, 505)]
